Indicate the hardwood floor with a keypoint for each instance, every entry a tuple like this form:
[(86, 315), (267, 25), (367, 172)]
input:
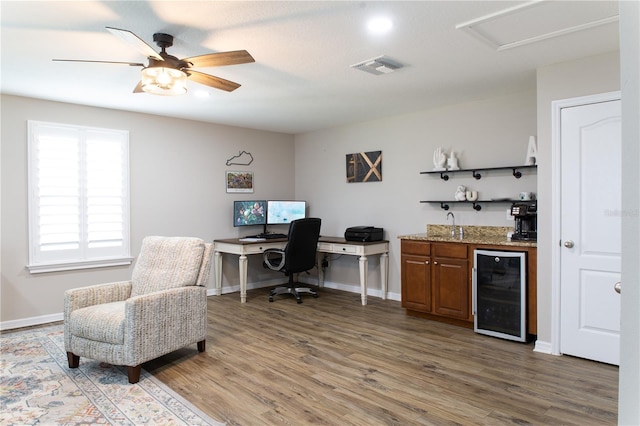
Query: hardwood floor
[(332, 361)]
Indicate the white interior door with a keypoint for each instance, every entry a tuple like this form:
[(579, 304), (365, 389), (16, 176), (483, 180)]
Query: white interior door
[(590, 231)]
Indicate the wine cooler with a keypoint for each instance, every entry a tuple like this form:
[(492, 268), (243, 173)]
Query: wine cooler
[(499, 294)]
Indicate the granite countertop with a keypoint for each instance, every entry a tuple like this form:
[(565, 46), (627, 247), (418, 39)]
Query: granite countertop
[(488, 235)]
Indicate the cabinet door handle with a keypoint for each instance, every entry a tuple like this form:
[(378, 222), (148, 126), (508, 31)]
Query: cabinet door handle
[(426, 263), (435, 263)]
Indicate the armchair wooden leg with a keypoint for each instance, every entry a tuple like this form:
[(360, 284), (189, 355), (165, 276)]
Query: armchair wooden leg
[(134, 373), (73, 359), (202, 345)]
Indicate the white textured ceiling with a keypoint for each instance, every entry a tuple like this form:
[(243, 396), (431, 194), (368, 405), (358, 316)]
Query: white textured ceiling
[(301, 80)]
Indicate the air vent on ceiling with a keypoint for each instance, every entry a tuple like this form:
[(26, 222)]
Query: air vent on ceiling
[(377, 66)]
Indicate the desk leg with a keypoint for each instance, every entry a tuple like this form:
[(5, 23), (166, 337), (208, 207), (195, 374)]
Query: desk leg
[(363, 279), (242, 269), (320, 270), (384, 277), (217, 260)]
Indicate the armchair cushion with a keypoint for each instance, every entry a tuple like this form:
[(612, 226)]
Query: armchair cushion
[(102, 323), (166, 263)]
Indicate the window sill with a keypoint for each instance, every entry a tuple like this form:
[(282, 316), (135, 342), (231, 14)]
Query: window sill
[(72, 266)]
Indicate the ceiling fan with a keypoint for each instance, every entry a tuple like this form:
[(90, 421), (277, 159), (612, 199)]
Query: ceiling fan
[(166, 74)]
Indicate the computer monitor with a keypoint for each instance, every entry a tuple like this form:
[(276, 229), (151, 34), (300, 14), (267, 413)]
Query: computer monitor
[(250, 212), (280, 212)]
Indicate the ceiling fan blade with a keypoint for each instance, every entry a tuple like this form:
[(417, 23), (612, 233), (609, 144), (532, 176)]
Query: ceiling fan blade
[(138, 88), (133, 64), (135, 41), (212, 81), (220, 59)]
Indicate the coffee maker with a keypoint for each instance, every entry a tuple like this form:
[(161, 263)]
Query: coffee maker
[(525, 216)]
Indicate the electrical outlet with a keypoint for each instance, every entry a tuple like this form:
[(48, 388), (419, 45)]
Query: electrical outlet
[(509, 217)]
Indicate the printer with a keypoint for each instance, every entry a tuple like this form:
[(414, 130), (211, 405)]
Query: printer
[(363, 233)]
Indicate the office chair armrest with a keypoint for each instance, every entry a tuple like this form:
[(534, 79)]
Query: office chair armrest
[(273, 259)]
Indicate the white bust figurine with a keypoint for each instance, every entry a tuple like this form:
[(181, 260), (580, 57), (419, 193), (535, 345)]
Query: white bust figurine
[(460, 193), (452, 162), (439, 160)]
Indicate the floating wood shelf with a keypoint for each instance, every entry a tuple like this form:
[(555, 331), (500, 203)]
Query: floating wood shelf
[(444, 174), (445, 205)]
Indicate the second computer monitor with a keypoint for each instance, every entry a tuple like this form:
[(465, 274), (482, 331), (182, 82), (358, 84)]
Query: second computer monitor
[(280, 212)]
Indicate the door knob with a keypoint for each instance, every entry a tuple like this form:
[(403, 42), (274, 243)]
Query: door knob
[(568, 244), (617, 287)]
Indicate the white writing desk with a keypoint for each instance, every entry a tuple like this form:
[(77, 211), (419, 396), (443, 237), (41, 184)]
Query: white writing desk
[(334, 245)]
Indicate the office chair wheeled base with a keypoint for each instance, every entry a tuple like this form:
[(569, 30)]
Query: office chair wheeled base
[(294, 291)]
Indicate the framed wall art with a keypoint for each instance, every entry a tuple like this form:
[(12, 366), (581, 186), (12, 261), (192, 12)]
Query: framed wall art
[(364, 167), (239, 182)]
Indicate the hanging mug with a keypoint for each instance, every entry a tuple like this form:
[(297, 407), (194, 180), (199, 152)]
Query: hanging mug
[(526, 196)]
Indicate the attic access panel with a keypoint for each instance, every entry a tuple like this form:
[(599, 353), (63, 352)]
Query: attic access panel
[(538, 20)]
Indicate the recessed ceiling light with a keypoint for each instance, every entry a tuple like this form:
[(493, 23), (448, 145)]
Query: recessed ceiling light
[(380, 25)]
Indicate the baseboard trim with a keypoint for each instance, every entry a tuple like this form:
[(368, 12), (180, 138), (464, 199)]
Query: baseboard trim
[(45, 319), (28, 322), (542, 347), (312, 282)]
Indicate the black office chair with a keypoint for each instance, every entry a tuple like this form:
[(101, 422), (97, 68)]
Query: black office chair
[(299, 255)]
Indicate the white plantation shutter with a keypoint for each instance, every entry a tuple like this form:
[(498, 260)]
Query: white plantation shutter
[(78, 197)]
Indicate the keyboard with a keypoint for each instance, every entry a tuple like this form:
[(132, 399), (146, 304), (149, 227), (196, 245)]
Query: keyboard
[(265, 237), (273, 236)]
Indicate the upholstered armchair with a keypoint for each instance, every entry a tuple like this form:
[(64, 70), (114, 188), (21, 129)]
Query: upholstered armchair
[(161, 309)]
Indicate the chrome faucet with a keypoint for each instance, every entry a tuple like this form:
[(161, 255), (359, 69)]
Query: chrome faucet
[(453, 225)]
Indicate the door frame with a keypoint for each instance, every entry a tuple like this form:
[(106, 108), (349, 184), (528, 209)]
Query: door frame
[(556, 203)]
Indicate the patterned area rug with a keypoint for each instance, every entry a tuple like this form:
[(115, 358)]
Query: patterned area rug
[(37, 387)]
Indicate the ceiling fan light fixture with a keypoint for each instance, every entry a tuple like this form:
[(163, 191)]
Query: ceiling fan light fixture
[(164, 81)]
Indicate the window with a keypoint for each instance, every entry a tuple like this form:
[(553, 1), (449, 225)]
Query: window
[(78, 197)]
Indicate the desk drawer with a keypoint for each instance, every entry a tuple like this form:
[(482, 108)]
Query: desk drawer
[(344, 248), (325, 247), (256, 249), (337, 248)]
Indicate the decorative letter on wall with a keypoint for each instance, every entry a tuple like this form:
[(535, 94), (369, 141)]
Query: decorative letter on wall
[(364, 167), (532, 152)]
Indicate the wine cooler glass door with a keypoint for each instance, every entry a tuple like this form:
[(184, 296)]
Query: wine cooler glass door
[(499, 294)]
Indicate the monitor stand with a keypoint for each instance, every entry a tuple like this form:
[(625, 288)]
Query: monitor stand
[(269, 235)]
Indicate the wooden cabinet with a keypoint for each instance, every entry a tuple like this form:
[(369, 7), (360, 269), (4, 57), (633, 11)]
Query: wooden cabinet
[(416, 276), (451, 281), (435, 279)]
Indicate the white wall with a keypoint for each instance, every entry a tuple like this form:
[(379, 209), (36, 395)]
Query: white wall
[(587, 76), (493, 132), (629, 389), (177, 188), (177, 172)]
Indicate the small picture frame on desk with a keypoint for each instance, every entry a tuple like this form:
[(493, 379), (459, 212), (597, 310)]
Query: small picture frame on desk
[(239, 182)]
